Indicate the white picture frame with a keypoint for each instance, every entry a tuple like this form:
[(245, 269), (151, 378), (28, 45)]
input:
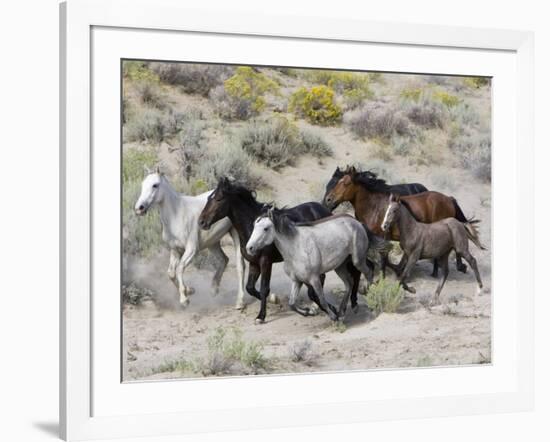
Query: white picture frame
[(93, 404)]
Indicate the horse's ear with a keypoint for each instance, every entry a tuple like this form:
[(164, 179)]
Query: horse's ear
[(337, 169), (394, 198), (158, 171), (352, 170)]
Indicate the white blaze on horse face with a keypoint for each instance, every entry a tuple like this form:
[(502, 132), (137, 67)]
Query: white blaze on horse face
[(388, 217), (149, 193), (262, 235)]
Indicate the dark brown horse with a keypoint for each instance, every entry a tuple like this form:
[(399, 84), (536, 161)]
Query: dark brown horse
[(369, 196)]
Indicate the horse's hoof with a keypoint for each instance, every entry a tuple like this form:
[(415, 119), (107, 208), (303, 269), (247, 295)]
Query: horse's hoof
[(273, 298), (411, 290), (313, 310), (479, 291), (462, 269), (189, 291), (434, 275), (259, 321), (184, 303), (434, 302), (355, 309), (240, 306)]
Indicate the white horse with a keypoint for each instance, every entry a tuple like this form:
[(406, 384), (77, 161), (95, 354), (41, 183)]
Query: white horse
[(313, 248), (180, 231)]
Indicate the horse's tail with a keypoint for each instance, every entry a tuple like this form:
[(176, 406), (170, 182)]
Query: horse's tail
[(378, 247), (473, 232), (459, 214)]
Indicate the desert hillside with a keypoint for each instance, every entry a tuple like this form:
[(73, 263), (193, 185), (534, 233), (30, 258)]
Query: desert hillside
[(282, 132)]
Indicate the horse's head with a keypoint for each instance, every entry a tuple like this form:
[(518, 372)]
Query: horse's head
[(151, 192), (333, 181), (217, 206), (392, 212), (342, 190), (263, 233)]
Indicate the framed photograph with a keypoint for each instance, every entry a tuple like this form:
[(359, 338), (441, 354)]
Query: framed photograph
[(326, 221)]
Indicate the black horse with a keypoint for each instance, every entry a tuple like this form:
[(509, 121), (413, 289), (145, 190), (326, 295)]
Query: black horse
[(240, 206), (396, 189)]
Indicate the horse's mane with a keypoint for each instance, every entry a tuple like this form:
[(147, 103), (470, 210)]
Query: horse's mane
[(281, 221), (370, 181), (236, 189), (322, 220)]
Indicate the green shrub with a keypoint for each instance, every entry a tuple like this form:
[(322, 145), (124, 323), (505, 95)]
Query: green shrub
[(278, 142), (314, 144), (150, 94), (353, 86), (148, 125), (135, 295), (134, 162), (250, 85), (138, 71), (231, 161), (447, 99), (473, 148), (140, 235), (477, 82), (192, 78), (225, 351), (230, 108), (384, 296), (316, 105), (376, 120), (412, 94), (274, 143), (425, 112)]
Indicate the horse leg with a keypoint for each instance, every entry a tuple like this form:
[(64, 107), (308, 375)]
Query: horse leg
[(265, 269), (318, 287), (253, 275), (221, 260), (175, 256), (398, 269), (348, 280), (435, 270), (443, 262), (411, 261), (313, 309), (294, 291), (460, 266), (240, 268), (473, 264), (185, 260), (359, 260), (356, 275)]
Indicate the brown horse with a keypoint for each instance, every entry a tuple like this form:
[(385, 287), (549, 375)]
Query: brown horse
[(369, 196)]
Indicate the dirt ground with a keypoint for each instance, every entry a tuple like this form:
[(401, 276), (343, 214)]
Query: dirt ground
[(457, 332)]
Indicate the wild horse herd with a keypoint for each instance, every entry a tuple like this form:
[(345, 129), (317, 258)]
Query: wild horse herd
[(309, 238)]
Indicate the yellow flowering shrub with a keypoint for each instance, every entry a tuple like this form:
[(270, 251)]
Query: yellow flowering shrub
[(250, 85), (316, 105)]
